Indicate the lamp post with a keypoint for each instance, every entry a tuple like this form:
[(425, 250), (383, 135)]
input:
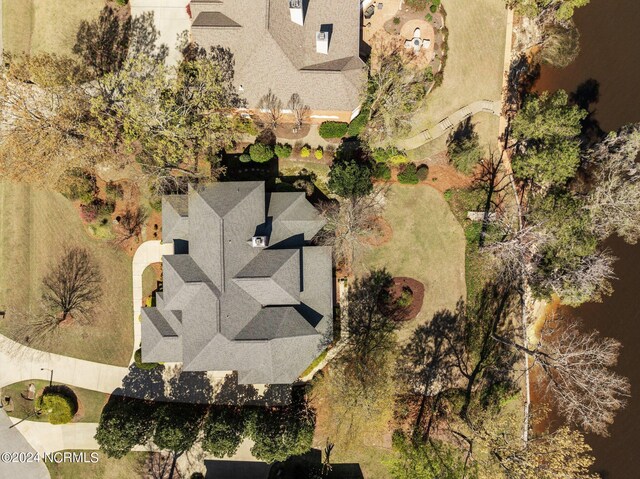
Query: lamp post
[(50, 377)]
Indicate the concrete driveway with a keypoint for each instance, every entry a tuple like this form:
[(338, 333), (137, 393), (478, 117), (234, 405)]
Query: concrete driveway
[(171, 19)]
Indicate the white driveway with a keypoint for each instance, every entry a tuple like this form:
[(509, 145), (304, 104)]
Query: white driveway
[(19, 363), (170, 18)]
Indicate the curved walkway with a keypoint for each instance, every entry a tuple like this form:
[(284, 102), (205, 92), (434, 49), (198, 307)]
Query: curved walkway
[(447, 124), (147, 253), (20, 363)]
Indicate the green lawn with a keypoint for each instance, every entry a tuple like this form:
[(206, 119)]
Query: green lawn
[(129, 467), (475, 61), (33, 26), (35, 228), (90, 402), (428, 244)]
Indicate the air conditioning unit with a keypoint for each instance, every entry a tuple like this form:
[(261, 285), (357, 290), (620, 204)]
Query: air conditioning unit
[(259, 241)]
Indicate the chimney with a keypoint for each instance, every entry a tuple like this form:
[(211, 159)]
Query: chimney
[(322, 42), (295, 9)]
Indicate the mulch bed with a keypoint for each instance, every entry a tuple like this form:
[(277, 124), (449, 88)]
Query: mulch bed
[(417, 288), (380, 232), (285, 131)]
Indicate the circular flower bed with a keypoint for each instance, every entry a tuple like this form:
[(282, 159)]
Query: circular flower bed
[(408, 295), (58, 404)]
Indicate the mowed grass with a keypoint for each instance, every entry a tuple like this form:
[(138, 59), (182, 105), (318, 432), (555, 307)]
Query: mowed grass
[(128, 467), (36, 226), (37, 26), (475, 61), (90, 403), (428, 244)]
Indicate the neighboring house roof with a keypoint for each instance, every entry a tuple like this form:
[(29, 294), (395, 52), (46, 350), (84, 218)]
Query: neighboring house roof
[(227, 305), (273, 52)]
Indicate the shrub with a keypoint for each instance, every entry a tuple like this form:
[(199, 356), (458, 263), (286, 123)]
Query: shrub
[(396, 20), (319, 153), (408, 175), (305, 152), (114, 191), (260, 153), (417, 4), (245, 158), (58, 407), (105, 208), (78, 185), (433, 9), (88, 213), (406, 297), (465, 153), (436, 3), (122, 3), (381, 171), (350, 179), (283, 151), (333, 129), (389, 155), (358, 123), (422, 172), (137, 357)]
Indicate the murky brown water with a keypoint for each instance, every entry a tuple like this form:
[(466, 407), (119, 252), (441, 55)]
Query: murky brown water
[(610, 54)]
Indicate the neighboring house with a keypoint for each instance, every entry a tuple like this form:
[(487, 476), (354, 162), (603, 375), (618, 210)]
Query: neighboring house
[(243, 291), (308, 47)]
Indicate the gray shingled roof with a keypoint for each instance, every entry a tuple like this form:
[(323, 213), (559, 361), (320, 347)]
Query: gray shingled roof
[(229, 306), (272, 52)]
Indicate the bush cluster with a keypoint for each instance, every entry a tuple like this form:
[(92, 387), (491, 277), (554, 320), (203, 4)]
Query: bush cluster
[(260, 153), (358, 123), (422, 172), (114, 191), (58, 407), (333, 129), (283, 150), (389, 155), (381, 171), (408, 175)]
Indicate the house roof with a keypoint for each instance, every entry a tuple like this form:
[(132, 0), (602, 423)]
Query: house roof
[(273, 52), (227, 305)]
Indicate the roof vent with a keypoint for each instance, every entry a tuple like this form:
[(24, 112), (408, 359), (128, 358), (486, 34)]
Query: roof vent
[(295, 9), (259, 241), (322, 42)]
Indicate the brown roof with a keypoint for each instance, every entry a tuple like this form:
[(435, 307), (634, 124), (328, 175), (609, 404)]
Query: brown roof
[(272, 52), (214, 20)]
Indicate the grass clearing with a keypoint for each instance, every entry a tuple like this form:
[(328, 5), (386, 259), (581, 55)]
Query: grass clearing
[(130, 466), (35, 228), (89, 408), (38, 26), (476, 270), (428, 245), (475, 60)]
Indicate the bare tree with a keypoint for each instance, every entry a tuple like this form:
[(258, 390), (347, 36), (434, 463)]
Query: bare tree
[(271, 105), (131, 223), (72, 286), (614, 201), (578, 371), (71, 289), (350, 223), (299, 109), (589, 280)]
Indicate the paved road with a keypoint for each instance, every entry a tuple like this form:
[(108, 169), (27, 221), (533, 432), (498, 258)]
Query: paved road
[(446, 125)]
